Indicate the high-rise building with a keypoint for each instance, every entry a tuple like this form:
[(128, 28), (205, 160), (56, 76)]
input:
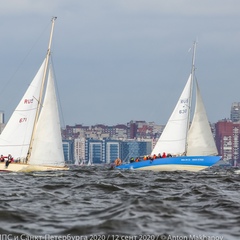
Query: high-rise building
[(79, 149), (112, 150), (107, 150), (1, 117), (235, 112), (102, 151), (68, 151), (132, 148), (2, 123), (94, 151), (228, 140)]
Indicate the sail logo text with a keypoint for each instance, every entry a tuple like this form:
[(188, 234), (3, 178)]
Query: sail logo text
[(28, 101)]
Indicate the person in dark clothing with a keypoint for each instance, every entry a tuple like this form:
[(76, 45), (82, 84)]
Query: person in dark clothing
[(2, 158), (7, 163), (9, 160), (131, 159)]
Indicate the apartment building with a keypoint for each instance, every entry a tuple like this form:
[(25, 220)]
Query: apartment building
[(227, 140)]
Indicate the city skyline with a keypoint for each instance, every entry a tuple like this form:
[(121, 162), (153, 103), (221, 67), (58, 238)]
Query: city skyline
[(234, 115), (122, 60), (3, 117), (225, 132)]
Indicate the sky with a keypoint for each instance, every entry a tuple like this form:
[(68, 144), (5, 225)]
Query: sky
[(122, 60)]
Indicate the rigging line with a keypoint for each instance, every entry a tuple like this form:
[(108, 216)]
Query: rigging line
[(173, 84), (58, 93), (12, 77)]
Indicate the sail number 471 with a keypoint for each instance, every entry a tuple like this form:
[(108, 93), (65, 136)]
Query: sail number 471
[(22, 120)]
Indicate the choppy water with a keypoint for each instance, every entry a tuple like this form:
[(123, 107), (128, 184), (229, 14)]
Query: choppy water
[(92, 201)]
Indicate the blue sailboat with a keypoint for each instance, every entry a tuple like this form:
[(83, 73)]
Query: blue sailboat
[(191, 146)]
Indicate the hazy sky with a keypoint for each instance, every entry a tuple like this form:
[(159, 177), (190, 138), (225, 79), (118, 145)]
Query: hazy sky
[(122, 60)]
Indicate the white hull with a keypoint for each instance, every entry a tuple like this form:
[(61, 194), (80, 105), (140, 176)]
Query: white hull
[(172, 167), (22, 167)]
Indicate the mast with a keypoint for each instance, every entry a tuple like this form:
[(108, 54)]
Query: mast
[(191, 88), (42, 88), (192, 77)]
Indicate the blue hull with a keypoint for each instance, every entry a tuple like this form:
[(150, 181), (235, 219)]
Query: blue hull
[(184, 163)]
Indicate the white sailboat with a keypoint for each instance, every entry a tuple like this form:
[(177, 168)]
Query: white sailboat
[(191, 148), (79, 162), (33, 133), (76, 162), (90, 163)]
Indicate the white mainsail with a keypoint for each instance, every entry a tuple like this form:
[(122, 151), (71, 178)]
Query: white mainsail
[(174, 136), (47, 142), (16, 135), (200, 138)]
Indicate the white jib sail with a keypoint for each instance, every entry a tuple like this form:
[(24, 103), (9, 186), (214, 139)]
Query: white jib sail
[(47, 144), (200, 138)]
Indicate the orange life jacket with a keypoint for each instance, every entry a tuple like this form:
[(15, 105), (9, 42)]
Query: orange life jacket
[(118, 162)]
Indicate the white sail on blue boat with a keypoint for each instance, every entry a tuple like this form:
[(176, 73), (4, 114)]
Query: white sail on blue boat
[(33, 133), (193, 148)]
